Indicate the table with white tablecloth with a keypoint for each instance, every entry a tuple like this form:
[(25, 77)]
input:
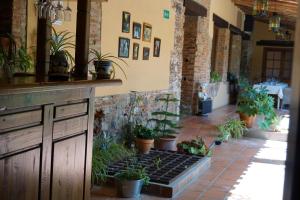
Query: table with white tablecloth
[(273, 89)]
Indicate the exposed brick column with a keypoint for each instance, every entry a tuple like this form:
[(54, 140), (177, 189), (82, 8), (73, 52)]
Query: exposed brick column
[(247, 51), (19, 22), (222, 52), (235, 55)]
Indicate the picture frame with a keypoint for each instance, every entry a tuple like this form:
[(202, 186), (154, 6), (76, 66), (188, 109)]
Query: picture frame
[(135, 52), (146, 53), (126, 22), (124, 47), (156, 48), (136, 30), (147, 32)]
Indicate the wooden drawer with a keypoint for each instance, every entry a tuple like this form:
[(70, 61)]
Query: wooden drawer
[(70, 110), (17, 140), (70, 127), (20, 119)]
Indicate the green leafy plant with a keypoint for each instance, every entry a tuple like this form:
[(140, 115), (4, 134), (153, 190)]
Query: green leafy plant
[(142, 132), (116, 61), (61, 42), (105, 152), (215, 77), (194, 147), (134, 171), (236, 128), (157, 162), (253, 102), (165, 124), (224, 134), (23, 60)]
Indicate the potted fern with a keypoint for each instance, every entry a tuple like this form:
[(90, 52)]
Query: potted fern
[(144, 138), (105, 65), (23, 62), (60, 56), (166, 125), (234, 128)]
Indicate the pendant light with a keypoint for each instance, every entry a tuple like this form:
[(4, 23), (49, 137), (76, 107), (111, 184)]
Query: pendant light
[(274, 22), (261, 8)]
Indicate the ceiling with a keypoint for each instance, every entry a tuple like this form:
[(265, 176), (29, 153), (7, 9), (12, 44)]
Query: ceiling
[(287, 9)]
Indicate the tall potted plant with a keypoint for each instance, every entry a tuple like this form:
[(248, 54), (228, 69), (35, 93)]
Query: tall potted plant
[(105, 65), (144, 138), (60, 56), (166, 125)]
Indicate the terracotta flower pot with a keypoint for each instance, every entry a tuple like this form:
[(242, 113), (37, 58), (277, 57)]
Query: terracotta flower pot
[(144, 145), (249, 120), (166, 143)]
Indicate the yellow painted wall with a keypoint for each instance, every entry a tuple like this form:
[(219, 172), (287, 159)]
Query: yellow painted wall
[(142, 75), (260, 32)]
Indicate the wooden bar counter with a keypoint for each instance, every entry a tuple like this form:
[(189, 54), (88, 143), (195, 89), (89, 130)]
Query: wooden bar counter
[(46, 139)]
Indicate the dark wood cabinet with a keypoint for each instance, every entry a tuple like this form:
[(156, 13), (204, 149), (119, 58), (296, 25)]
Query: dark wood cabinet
[(46, 144)]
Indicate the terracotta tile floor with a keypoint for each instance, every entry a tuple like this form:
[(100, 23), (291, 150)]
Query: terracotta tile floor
[(245, 169)]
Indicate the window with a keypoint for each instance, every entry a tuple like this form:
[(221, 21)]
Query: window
[(277, 64)]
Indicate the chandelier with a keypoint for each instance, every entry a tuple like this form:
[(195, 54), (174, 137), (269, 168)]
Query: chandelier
[(274, 22), (53, 10), (261, 8)]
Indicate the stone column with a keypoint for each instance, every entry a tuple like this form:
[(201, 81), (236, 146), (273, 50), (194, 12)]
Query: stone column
[(222, 52)]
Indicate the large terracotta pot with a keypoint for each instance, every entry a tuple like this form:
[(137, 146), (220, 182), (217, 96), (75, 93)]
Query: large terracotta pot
[(166, 143), (144, 146), (249, 120)]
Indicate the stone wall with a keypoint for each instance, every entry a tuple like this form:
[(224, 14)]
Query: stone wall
[(222, 52), (19, 21), (116, 106), (235, 54)]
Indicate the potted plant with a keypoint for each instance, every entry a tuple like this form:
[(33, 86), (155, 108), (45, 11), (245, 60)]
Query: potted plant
[(234, 128), (105, 65), (165, 124), (144, 138), (23, 62), (194, 147), (223, 136), (131, 180), (60, 56)]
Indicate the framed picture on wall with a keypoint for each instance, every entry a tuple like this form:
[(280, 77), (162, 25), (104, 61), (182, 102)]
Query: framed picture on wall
[(124, 47), (147, 31), (156, 48), (135, 53), (126, 22), (146, 53), (137, 30)]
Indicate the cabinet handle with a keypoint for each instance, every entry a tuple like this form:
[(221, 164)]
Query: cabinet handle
[(2, 108)]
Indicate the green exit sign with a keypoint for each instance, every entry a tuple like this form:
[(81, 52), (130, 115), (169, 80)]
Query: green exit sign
[(166, 14)]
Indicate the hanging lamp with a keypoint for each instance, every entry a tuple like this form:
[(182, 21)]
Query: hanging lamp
[(261, 8), (274, 22)]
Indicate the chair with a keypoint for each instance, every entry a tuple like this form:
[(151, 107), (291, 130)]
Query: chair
[(287, 93)]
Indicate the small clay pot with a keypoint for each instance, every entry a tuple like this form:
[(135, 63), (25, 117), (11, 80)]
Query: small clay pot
[(249, 120), (166, 143), (144, 146)]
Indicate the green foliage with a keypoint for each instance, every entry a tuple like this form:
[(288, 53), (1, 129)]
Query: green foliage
[(134, 171), (143, 132), (23, 60), (194, 147), (236, 128), (105, 152), (165, 124), (256, 102), (157, 162), (224, 134), (61, 42), (116, 61), (215, 77)]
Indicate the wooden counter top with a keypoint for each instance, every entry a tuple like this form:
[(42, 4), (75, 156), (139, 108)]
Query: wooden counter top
[(30, 85)]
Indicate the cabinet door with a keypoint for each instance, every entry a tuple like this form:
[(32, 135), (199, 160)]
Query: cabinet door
[(68, 169), (19, 176)]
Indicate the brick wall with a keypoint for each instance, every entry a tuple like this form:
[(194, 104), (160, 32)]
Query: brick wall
[(222, 52), (116, 106), (247, 51), (197, 59), (19, 21)]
